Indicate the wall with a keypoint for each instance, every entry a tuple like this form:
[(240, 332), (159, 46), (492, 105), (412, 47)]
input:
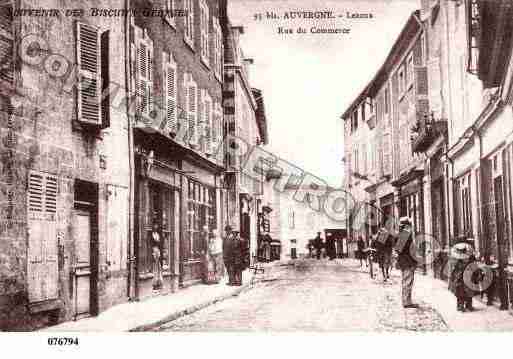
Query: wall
[(49, 141)]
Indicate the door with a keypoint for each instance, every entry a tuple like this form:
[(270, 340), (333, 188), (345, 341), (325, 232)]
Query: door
[(82, 238)]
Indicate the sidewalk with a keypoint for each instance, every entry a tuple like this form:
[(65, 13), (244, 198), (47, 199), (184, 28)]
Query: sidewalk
[(434, 292), (150, 313)]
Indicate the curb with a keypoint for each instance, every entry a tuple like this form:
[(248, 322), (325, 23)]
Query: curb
[(193, 309)]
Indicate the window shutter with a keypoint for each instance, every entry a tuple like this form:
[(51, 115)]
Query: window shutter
[(6, 43), (170, 98), (191, 99), (208, 126), (42, 265), (105, 77), (200, 121), (89, 89), (144, 73), (387, 165)]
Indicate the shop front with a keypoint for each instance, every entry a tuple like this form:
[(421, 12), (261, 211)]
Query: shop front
[(157, 192)]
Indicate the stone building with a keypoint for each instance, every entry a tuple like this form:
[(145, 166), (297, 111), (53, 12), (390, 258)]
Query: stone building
[(382, 174), (246, 128), (176, 74), (64, 169)]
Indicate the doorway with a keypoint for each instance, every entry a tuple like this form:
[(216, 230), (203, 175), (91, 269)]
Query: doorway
[(85, 239)]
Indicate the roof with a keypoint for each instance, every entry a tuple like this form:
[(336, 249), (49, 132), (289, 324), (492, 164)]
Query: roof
[(413, 25)]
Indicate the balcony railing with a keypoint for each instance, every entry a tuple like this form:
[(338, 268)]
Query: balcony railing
[(425, 133)]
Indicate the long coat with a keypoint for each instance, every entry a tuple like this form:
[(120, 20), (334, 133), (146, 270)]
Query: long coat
[(228, 250), (456, 280), (403, 246)]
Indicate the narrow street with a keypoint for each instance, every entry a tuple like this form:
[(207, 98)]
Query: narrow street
[(315, 296)]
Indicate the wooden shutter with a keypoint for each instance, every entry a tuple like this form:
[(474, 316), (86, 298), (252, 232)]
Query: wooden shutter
[(6, 42), (89, 87), (191, 103), (170, 98), (144, 73), (208, 126), (105, 79), (204, 17), (387, 163), (42, 266)]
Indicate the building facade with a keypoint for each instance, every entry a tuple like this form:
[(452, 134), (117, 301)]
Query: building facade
[(65, 177), (246, 128), (449, 77), (176, 77)]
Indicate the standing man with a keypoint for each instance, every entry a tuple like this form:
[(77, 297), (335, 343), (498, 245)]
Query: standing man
[(360, 244), (318, 245), (228, 249), (405, 261)]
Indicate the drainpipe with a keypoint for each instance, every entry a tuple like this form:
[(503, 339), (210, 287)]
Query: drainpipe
[(132, 282), (451, 179)]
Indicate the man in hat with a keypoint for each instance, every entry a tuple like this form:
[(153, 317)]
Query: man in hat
[(405, 261), (228, 249), (462, 255)]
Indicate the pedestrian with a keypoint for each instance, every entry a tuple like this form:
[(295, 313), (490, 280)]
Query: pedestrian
[(360, 251), (239, 255), (156, 251), (462, 255), (228, 249), (310, 247), (331, 249), (405, 262), (318, 245)]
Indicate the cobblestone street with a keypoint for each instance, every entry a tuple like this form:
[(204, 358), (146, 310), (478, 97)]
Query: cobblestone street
[(315, 296)]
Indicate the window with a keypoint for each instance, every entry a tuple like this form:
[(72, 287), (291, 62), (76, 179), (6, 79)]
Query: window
[(217, 128), (464, 215), (6, 42), (410, 71), (144, 76), (170, 15), (356, 166), (192, 109), (206, 123), (387, 156), (217, 49), (362, 108), (170, 93), (354, 121), (204, 31), (364, 159), (387, 100), (201, 219), (292, 223), (189, 22), (402, 80)]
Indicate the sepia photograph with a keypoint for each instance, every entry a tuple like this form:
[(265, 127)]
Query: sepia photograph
[(255, 166)]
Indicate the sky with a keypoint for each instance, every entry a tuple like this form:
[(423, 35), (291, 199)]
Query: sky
[(309, 80)]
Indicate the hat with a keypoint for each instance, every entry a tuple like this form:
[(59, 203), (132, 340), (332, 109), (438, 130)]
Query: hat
[(461, 251), (405, 220)]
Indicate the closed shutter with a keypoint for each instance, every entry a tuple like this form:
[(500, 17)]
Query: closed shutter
[(89, 87), (42, 266), (204, 16), (189, 21), (191, 107), (6, 42), (144, 78), (387, 160), (208, 126), (421, 92), (170, 98)]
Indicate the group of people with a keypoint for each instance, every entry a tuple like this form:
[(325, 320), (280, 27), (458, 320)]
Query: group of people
[(236, 255), (322, 247), (461, 257)]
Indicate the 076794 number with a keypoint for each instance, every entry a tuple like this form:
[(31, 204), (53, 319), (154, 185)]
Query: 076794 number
[(62, 341)]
